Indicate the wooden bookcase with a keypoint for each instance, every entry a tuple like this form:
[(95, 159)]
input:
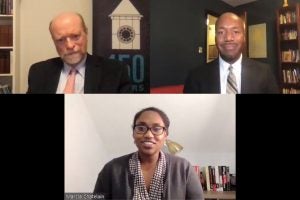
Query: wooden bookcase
[(229, 195), (9, 44), (288, 41)]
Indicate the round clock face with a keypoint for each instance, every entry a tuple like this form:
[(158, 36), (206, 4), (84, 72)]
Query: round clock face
[(126, 34)]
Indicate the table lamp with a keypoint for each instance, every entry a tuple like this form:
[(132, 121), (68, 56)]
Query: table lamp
[(173, 147)]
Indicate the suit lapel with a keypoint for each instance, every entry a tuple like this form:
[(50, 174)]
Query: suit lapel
[(213, 78), (92, 75), (54, 74), (245, 75)]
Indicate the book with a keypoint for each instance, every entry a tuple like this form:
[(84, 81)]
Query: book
[(286, 56), (207, 178), (4, 62)]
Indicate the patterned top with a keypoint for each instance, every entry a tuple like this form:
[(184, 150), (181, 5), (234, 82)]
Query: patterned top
[(157, 183)]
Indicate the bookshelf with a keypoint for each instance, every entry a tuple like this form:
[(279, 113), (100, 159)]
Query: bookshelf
[(9, 44), (216, 182), (288, 41)]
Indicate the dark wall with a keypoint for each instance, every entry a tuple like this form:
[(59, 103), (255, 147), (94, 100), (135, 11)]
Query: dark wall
[(177, 29)]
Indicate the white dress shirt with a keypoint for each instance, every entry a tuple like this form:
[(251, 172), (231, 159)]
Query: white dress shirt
[(224, 71), (79, 80)]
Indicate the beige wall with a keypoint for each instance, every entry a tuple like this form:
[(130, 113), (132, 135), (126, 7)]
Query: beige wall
[(35, 40)]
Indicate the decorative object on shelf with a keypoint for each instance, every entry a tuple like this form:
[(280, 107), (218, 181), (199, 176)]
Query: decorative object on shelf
[(173, 147), (285, 3)]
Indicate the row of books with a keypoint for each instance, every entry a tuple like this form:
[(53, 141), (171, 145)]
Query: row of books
[(214, 178), (6, 7), (288, 17), (289, 34), (290, 91), (5, 61), (6, 35), (291, 75), (290, 56)]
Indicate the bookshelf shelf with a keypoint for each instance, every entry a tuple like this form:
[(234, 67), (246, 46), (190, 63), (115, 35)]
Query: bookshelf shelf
[(290, 63), (8, 16), (292, 85), (294, 40), (288, 41), (8, 47), (287, 25), (220, 195)]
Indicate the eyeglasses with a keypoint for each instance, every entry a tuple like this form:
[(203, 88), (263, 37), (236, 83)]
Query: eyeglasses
[(142, 129)]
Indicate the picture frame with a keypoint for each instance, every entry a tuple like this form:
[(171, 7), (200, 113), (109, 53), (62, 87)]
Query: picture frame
[(213, 52), (258, 40)]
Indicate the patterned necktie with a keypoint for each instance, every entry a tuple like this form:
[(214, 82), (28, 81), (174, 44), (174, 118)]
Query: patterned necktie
[(70, 85), (231, 82)]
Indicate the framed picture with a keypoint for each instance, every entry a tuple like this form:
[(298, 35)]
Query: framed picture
[(258, 41), (213, 52)]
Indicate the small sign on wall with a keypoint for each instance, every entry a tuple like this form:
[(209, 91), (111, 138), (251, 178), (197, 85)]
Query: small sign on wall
[(257, 41)]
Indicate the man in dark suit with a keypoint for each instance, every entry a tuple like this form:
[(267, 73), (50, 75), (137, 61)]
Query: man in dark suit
[(89, 74), (250, 76)]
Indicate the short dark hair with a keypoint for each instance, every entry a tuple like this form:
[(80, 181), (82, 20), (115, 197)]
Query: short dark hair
[(161, 113)]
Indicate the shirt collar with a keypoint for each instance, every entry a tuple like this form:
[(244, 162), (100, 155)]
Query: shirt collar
[(236, 65), (80, 67)]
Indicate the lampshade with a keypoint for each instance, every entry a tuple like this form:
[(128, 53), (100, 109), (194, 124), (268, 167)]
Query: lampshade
[(285, 3), (173, 147)]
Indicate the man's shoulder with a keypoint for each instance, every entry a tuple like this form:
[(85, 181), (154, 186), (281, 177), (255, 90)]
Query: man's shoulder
[(45, 66), (49, 62), (204, 69), (253, 62), (255, 65)]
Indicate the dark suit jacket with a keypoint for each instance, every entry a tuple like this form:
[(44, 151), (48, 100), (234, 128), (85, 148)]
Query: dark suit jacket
[(101, 76), (256, 78)]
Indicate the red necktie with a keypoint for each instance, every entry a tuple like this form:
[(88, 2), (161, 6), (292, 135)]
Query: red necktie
[(70, 85)]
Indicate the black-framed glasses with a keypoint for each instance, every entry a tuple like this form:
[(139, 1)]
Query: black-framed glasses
[(142, 129)]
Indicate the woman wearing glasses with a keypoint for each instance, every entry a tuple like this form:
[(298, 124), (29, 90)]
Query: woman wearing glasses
[(149, 173)]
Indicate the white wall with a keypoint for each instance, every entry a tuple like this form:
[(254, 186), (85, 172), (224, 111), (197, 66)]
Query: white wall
[(35, 40), (84, 150), (203, 124)]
